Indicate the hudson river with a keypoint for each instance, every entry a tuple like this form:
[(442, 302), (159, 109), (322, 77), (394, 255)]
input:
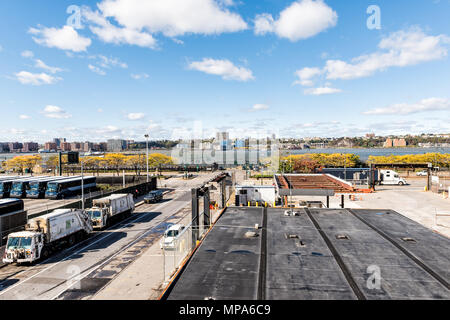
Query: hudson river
[(362, 153)]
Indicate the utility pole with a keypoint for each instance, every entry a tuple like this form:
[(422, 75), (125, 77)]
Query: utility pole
[(82, 187), (146, 143)]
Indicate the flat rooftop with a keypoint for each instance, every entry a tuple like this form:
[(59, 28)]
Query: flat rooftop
[(321, 254), (314, 181)]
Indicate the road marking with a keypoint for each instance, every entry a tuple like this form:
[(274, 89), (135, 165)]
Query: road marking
[(91, 244), (84, 248), (127, 246)]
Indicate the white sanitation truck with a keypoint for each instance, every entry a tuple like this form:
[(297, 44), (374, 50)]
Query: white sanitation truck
[(389, 177), (107, 209), (46, 234)]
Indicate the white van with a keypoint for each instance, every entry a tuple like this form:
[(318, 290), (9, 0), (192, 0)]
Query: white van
[(389, 177), (170, 236)]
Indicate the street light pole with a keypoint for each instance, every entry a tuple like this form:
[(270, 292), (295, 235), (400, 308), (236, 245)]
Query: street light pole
[(82, 187), (146, 143)]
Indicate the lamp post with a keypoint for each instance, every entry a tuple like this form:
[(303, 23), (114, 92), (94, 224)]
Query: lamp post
[(146, 143), (82, 186)]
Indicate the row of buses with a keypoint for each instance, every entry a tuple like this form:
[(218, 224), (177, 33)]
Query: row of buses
[(45, 187)]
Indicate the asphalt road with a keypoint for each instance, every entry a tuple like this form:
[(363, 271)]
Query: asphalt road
[(85, 268)]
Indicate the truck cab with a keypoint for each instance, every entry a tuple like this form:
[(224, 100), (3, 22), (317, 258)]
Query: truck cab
[(22, 247), (99, 217), (390, 177)]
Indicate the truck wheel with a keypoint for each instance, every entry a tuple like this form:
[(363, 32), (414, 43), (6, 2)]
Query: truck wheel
[(45, 254), (72, 240), (401, 183)]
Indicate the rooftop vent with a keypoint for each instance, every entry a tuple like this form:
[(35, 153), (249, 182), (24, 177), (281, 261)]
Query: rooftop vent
[(291, 236), (406, 239), (342, 237)]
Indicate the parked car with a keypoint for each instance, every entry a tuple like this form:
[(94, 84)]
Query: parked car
[(422, 173), (170, 236), (154, 196)]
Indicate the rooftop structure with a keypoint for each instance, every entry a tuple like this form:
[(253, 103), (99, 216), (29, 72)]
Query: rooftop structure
[(316, 254), (320, 182)]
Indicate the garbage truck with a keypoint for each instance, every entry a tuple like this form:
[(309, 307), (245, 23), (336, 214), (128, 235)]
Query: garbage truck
[(108, 209), (47, 234)]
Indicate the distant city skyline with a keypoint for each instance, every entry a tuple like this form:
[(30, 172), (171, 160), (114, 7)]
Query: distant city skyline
[(113, 71)]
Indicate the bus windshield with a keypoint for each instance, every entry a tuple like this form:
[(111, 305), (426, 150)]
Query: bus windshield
[(17, 187), (52, 187), (1, 187), (19, 242), (33, 186)]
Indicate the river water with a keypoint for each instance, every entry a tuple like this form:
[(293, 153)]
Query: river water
[(362, 153)]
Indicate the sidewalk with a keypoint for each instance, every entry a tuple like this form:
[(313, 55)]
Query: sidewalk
[(143, 279)]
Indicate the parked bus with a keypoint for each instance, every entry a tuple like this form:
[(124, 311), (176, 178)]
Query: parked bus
[(69, 187), (20, 186), (36, 189)]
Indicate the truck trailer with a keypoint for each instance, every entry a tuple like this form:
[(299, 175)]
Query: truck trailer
[(13, 218), (107, 209), (46, 234)]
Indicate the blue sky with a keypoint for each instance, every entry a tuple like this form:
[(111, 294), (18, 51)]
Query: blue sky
[(294, 68)]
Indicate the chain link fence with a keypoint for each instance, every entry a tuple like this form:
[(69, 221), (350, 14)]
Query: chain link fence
[(177, 249)]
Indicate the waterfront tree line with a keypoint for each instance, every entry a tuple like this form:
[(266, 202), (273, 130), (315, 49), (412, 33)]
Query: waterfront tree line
[(309, 163), (110, 161)]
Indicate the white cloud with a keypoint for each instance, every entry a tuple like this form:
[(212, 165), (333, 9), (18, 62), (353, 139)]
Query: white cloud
[(135, 116), (55, 112), (259, 107), (321, 91), (24, 117), (301, 20), (224, 68), (139, 76), (399, 49), (41, 65), (431, 104), (36, 79), (97, 70), (27, 54), (264, 23), (306, 74), (106, 62), (66, 38), (109, 33), (173, 17)]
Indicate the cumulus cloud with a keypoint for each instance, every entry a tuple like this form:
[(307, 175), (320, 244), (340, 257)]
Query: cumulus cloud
[(24, 117), (301, 20), (139, 76), (430, 104), (173, 17), (259, 107), (27, 54), (305, 75), (135, 116), (55, 112), (224, 68), (41, 65), (399, 49), (108, 62), (96, 70), (110, 33), (35, 79), (65, 38), (321, 91)]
